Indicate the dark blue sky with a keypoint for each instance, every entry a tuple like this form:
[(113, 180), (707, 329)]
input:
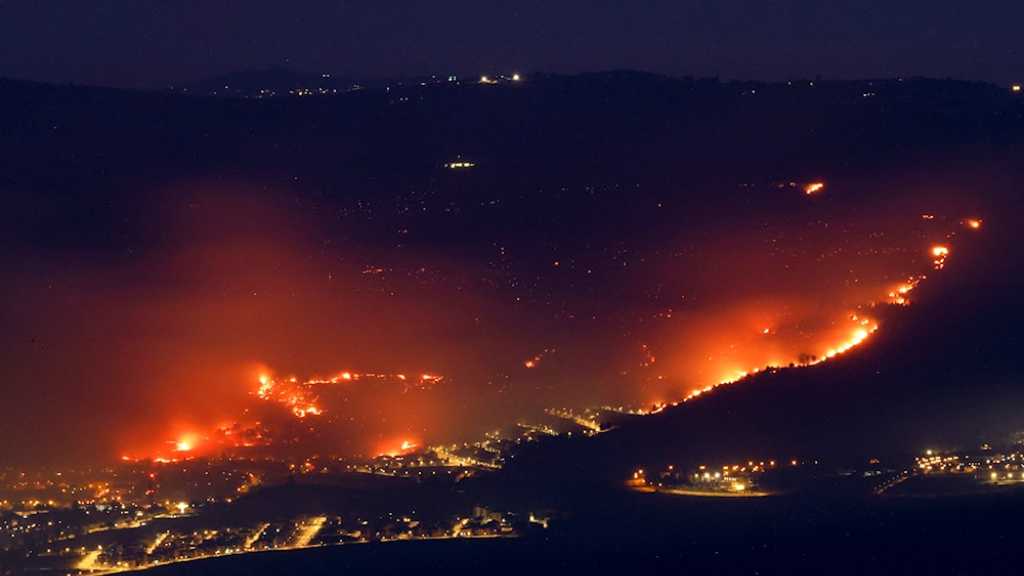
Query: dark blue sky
[(154, 43)]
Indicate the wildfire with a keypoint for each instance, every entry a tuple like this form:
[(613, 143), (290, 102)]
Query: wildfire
[(298, 398), (939, 254), (862, 330), (898, 295), (196, 443), (859, 335), (302, 401), (406, 446), (814, 188)]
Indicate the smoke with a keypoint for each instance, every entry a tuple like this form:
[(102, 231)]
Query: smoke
[(164, 333)]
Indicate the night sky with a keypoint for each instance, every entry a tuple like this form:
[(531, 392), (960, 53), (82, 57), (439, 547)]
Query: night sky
[(154, 44)]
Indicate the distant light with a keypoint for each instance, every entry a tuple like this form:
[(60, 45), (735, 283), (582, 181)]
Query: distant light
[(183, 446), (182, 507), (516, 78), (1015, 88), (973, 223), (485, 80), (939, 251)]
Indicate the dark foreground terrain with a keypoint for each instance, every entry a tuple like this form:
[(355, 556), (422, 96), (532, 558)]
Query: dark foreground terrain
[(632, 533)]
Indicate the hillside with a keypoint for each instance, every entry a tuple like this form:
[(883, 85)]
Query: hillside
[(942, 373)]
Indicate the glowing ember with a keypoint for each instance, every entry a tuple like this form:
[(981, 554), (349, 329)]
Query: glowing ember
[(939, 253), (898, 295), (536, 359), (814, 187)]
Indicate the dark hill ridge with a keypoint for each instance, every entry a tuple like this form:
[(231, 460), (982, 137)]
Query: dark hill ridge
[(267, 82), (646, 128), (541, 147)]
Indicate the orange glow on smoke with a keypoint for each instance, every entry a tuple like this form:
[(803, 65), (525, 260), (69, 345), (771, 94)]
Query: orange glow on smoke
[(725, 329), (398, 448), (186, 442)]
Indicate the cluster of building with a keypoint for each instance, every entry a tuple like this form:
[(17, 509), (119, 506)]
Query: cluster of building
[(985, 465), (138, 514), (326, 85), (739, 479), (165, 541)]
